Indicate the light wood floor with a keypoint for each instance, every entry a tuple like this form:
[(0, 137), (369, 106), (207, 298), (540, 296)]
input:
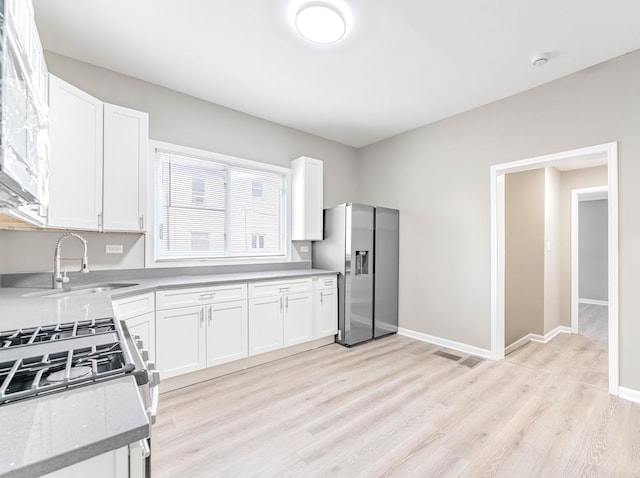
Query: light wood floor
[(399, 407)]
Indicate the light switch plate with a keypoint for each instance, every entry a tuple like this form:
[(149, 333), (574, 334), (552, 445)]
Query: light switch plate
[(114, 249)]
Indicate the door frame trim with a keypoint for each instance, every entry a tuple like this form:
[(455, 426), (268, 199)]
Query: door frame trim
[(583, 157)]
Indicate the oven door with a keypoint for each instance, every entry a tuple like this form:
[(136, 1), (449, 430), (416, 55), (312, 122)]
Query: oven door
[(140, 459)]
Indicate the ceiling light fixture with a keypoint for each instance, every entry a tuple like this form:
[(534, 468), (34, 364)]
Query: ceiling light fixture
[(320, 22)]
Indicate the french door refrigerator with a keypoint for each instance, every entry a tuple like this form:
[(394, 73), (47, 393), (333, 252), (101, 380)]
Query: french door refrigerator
[(361, 243)]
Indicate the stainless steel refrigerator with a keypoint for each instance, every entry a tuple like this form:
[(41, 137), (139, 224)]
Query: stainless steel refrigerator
[(361, 243)]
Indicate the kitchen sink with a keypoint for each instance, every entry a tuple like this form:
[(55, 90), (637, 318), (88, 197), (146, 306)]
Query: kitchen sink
[(87, 290)]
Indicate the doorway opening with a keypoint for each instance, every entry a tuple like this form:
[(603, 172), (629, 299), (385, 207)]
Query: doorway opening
[(579, 158)]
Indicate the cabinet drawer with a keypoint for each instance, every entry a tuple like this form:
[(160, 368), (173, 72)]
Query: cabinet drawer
[(326, 282), (134, 306), (170, 299), (269, 288)]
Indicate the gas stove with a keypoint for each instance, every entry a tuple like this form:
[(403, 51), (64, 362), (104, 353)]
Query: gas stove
[(37, 361)]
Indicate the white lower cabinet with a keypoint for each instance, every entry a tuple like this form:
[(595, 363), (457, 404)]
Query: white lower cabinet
[(138, 312), (196, 328), (227, 332), (211, 332), (265, 324), (325, 307), (180, 340), (144, 326), (297, 319), (280, 314)]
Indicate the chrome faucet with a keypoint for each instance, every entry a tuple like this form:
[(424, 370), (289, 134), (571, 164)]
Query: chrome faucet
[(58, 278)]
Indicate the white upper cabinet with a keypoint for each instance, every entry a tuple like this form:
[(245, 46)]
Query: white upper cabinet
[(306, 199), (126, 138), (75, 176), (98, 161)]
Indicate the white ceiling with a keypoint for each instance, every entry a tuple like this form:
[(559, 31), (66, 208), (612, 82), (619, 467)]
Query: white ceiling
[(402, 64)]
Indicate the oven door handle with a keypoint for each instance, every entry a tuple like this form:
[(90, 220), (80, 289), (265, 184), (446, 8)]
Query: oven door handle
[(152, 411)]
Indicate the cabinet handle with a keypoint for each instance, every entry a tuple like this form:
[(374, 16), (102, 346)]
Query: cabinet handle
[(142, 222), (280, 303), (287, 303), (100, 220), (321, 297), (201, 316), (210, 313)]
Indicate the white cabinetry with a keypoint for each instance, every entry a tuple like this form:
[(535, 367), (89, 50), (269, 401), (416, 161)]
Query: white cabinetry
[(325, 306), (75, 177), (265, 324), (180, 340), (126, 137), (88, 138), (138, 312), (227, 332), (306, 199), (200, 327), (280, 314)]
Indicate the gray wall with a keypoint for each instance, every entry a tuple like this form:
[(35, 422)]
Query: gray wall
[(524, 254), (438, 176), (178, 118), (593, 249)]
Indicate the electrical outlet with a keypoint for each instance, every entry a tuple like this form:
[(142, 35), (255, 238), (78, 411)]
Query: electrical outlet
[(304, 249), (114, 249)]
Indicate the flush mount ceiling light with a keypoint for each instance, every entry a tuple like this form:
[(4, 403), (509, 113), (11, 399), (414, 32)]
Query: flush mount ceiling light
[(320, 22)]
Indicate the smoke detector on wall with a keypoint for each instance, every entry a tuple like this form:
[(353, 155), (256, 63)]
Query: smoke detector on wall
[(540, 59)]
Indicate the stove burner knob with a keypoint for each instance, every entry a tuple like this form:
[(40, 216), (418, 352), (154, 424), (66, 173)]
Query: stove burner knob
[(151, 365), (139, 344), (145, 354)]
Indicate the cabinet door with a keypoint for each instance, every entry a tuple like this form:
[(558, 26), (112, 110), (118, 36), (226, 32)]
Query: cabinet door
[(180, 341), (326, 312), (265, 324), (75, 177), (227, 335), (297, 318), (145, 326), (126, 140), (307, 199)]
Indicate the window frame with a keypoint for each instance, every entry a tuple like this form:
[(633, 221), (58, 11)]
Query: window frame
[(152, 211)]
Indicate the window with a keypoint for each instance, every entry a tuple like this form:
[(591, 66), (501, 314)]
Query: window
[(199, 241), (197, 190), (210, 208), (256, 189), (257, 241)]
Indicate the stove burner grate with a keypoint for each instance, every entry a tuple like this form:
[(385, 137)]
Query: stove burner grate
[(41, 374), (47, 333)]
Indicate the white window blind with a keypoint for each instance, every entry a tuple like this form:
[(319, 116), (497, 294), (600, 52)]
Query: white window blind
[(207, 209)]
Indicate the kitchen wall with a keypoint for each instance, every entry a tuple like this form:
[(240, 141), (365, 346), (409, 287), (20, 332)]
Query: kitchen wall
[(438, 176), (524, 254), (178, 118), (593, 250)]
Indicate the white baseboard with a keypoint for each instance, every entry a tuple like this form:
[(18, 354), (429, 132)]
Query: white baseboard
[(629, 394), (561, 329), (593, 302), (450, 344)]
